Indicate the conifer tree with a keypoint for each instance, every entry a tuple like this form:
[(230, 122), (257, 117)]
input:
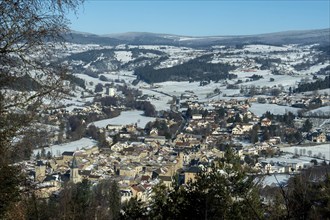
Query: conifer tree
[(224, 192)]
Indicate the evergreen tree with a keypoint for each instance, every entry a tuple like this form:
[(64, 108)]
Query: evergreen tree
[(133, 210), (221, 112), (102, 142), (10, 179), (254, 134), (307, 126), (226, 192), (49, 155), (106, 200), (245, 119), (189, 113), (38, 156), (82, 199), (43, 153), (159, 205), (114, 200), (237, 118), (303, 197)]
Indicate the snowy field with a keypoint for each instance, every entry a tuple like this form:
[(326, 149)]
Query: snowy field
[(123, 56), (275, 179), (257, 48), (323, 150), (57, 150), (91, 82), (160, 101), (127, 76), (285, 80), (287, 158), (320, 111), (126, 118), (314, 68), (259, 109), (177, 88)]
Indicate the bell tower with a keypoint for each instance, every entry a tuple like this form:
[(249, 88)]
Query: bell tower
[(74, 175), (40, 171)]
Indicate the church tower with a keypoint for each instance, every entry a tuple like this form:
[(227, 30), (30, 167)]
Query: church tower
[(181, 160), (40, 171), (74, 175)]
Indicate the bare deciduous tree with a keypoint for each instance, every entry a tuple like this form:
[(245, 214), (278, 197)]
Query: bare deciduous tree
[(30, 36)]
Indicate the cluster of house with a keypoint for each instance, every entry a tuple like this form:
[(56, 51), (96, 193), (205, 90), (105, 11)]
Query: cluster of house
[(137, 166), (295, 100)]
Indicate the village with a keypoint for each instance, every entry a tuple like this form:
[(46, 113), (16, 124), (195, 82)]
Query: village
[(149, 110), (182, 142)]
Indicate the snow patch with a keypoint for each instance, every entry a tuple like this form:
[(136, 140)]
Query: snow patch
[(126, 118), (84, 143)]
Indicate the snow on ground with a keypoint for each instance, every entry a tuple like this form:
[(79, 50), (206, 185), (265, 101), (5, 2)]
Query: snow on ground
[(287, 158), (325, 123), (323, 150), (284, 80), (230, 92), (275, 179), (89, 79), (101, 57), (204, 93), (72, 107), (91, 82), (76, 103), (321, 92), (126, 118), (243, 74), (147, 47), (313, 69), (259, 109), (264, 48), (325, 110), (188, 38), (230, 60), (178, 55), (123, 56), (127, 76), (57, 150), (161, 104), (148, 55), (72, 48), (177, 88), (72, 102), (159, 100)]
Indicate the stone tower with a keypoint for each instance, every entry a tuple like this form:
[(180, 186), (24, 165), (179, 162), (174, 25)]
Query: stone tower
[(40, 170), (74, 175), (180, 160)]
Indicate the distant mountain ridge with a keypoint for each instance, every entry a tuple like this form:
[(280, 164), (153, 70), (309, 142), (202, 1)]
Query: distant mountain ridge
[(320, 36)]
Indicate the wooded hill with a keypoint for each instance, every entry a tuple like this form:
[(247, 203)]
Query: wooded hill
[(193, 70), (319, 84)]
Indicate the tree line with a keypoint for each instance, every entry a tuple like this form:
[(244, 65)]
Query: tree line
[(317, 85), (193, 70), (75, 201)]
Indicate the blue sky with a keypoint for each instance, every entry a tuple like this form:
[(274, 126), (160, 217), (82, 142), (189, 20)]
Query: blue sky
[(200, 18)]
